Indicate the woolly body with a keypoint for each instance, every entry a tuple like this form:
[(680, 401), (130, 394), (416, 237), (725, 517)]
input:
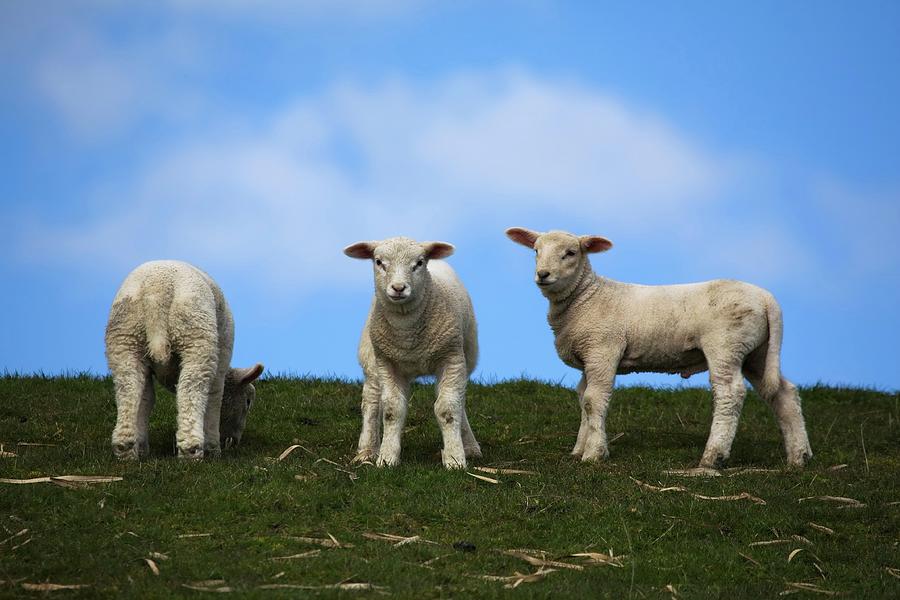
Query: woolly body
[(603, 327), (432, 331), (169, 320)]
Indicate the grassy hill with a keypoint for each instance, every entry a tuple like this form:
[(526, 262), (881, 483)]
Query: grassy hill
[(249, 522)]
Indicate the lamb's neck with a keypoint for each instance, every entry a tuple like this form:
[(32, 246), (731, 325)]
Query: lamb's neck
[(585, 286)]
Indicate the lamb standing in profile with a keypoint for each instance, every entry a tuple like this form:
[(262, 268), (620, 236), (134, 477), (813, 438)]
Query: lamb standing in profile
[(170, 320), (421, 323), (603, 327)]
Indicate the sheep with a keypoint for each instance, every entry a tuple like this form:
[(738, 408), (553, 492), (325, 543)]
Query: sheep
[(603, 327), (169, 320), (421, 322)]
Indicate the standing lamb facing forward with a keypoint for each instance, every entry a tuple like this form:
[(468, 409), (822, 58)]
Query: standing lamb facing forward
[(170, 320), (603, 327), (421, 323)]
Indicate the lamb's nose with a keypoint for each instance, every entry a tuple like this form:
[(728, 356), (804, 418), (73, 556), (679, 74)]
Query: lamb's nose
[(542, 275), (398, 287)]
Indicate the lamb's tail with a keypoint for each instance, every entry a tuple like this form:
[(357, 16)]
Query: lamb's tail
[(156, 323), (770, 382)]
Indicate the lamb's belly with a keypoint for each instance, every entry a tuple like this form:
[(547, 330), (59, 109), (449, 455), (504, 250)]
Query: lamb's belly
[(685, 363)]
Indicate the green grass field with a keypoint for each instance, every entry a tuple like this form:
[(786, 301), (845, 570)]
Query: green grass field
[(228, 525)]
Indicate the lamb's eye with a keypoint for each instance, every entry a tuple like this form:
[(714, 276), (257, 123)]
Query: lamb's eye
[(420, 263), (378, 262), (569, 253)]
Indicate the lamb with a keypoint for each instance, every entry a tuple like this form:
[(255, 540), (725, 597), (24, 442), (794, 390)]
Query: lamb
[(604, 327), (421, 322), (169, 320)]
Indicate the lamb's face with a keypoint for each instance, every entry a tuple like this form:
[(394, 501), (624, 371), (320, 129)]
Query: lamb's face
[(399, 265), (238, 397), (559, 256)]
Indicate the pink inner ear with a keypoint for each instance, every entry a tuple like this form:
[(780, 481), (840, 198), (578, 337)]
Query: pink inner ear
[(596, 244), (522, 236), (437, 250), (363, 250)]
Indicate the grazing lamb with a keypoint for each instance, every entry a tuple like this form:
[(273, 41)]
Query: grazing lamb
[(421, 323), (604, 327), (170, 320)]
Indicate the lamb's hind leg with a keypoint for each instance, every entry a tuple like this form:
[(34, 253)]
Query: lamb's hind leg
[(785, 403), (578, 450), (131, 376), (197, 377), (471, 446), (369, 438), (728, 391)]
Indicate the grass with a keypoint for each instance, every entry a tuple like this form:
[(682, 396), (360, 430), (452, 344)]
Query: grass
[(256, 509)]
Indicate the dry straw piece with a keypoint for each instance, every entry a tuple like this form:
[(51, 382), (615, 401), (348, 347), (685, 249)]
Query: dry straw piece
[(329, 542), (517, 579), (308, 554), (397, 540), (152, 565), (499, 471), (208, 585), (846, 502), (53, 587), (65, 479), (679, 488), (344, 585), (483, 478)]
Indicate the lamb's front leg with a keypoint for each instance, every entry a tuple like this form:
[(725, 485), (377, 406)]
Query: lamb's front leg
[(450, 409), (212, 445), (367, 449), (600, 377), (578, 450), (394, 394)]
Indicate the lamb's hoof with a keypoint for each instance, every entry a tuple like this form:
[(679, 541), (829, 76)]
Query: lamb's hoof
[(717, 462), (454, 463), (212, 450), (387, 460), (799, 462), (366, 455), (126, 451), (595, 456), (192, 453), (577, 451), (473, 451)]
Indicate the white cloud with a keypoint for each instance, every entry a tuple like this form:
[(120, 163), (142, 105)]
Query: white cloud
[(366, 162)]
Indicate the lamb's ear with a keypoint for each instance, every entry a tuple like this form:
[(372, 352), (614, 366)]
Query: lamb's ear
[(437, 249), (363, 250), (595, 243), (245, 376), (523, 236)]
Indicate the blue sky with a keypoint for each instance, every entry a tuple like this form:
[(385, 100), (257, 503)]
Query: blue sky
[(758, 141)]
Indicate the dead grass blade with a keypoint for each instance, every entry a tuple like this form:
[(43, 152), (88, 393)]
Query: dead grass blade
[(749, 558), (619, 435), (794, 553), (483, 478), (14, 536), (735, 471), (185, 536), (152, 565), (159, 556), (517, 579), (64, 479), (838, 467), (287, 452), (679, 488), (344, 585), (695, 472), (398, 540), (329, 542), (768, 542), (542, 562), (53, 587), (497, 471), (809, 587), (222, 589), (893, 572), (6, 454), (600, 558), (821, 528), (846, 502), (301, 555)]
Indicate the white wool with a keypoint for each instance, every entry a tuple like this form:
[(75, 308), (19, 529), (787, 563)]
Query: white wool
[(604, 327), (429, 331), (169, 320)]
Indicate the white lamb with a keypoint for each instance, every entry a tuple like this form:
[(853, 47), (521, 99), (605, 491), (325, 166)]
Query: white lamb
[(170, 320), (604, 327), (421, 323)]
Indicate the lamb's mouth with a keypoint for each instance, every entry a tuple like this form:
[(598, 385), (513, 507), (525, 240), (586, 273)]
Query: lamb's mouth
[(545, 283), (398, 297)]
